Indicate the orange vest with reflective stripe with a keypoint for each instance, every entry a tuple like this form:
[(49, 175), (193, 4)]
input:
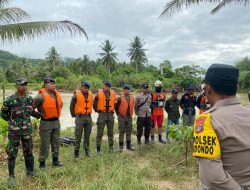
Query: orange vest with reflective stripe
[(124, 106), (101, 104), (51, 107), (83, 106), (158, 97), (203, 101)]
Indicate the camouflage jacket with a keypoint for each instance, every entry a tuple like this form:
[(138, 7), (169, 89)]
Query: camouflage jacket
[(17, 111)]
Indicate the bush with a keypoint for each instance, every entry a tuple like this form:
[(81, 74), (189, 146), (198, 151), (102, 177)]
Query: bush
[(244, 79)]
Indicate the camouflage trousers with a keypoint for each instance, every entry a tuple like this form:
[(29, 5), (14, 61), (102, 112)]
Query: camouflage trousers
[(14, 139), (83, 123), (125, 126), (102, 120), (49, 136)]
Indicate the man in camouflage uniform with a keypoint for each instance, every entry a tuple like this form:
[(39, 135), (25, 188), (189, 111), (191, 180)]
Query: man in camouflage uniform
[(17, 110)]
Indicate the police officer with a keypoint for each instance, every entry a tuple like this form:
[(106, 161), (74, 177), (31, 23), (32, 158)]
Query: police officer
[(17, 110), (49, 104), (224, 132), (143, 111), (104, 104), (187, 104), (125, 109), (81, 108)]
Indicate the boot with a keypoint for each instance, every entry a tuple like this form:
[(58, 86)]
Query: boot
[(160, 140), (11, 168), (152, 139), (29, 163), (56, 162), (129, 146), (98, 150), (147, 141), (120, 146), (87, 153), (139, 141), (76, 154), (111, 149), (42, 165)]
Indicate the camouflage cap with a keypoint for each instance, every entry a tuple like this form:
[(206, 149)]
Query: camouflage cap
[(21, 80)]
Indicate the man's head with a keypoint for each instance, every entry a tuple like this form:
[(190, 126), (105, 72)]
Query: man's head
[(190, 89), (158, 86), (174, 93), (126, 89), (221, 82), (21, 85), (49, 84), (144, 88), (106, 85), (85, 87)]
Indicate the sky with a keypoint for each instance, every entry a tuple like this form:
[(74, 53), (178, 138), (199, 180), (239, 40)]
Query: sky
[(193, 36)]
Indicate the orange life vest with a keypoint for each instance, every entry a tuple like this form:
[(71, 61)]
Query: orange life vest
[(83, 106), (51, 107), (124, 106), (101, 104), (203, 100), (159, 97)]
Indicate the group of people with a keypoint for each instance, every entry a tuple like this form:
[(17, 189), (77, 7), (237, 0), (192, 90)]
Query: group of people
[(215, 129)]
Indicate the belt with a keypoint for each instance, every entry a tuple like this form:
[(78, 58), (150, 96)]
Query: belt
[(83, 115), (50, 119)]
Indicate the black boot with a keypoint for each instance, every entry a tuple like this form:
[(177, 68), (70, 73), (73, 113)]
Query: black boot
[(42, 165), (111, 149), (147, 141), (87, 153), (98, 150), (160, 140), (11, 168), (56, 162), (138, 141), (120, 146), (29, 163), (76, 154), (129, 146), (152, 139)]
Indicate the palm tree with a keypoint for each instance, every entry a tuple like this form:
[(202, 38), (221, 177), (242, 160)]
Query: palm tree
[(108, 57), (137, 52), (53, 58), (177, 5), (12, 29)]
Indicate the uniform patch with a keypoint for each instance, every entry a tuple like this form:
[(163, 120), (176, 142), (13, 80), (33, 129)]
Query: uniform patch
[(199, 126)]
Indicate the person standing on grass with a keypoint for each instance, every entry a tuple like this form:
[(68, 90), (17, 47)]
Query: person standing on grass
[(172, 108), (125, 109), (143, 111), (49, 104), (17, 110), (81, 108), (104, 104)]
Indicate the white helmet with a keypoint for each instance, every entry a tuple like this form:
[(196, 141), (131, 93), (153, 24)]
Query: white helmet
[(158, 83)]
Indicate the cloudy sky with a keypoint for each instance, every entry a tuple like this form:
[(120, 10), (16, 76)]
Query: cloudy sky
[(191, 37)]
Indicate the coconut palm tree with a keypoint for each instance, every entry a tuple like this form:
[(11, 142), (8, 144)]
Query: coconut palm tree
[(137, 52), (177, 5), (12, 29), (53, 58), (108, 57)]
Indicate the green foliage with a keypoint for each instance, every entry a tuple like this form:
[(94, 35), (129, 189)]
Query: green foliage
[(244, 64), (184, 138), (244, 79), (3, 127)]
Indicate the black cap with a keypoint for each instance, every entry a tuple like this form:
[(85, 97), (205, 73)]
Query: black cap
[(191, 87), (221, 74), (85, 83), (126, 86), (48, 80), (145, 85), (21, 80), (174, 91), (108, 83)]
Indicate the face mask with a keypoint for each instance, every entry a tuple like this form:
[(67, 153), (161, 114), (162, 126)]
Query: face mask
[(158, 89)]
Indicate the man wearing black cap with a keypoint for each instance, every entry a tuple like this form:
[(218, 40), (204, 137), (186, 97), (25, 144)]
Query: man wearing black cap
[(49, 104), (172, 108), (124, 109), (187, 104), (104, 104), (221, 134), (143, 111), (81, 108), (17, 110)]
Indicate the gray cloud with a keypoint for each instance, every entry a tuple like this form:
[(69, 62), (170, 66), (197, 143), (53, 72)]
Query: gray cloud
[(191, 37)]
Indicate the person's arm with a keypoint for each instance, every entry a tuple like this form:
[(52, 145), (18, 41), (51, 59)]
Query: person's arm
[(167, 104), (117, 105), (95, 103), (198, 102), (5, 111), (182, 100), (214, 177), (72, 105)]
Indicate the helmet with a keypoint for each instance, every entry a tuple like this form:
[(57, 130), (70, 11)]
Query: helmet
[(158, 83)]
